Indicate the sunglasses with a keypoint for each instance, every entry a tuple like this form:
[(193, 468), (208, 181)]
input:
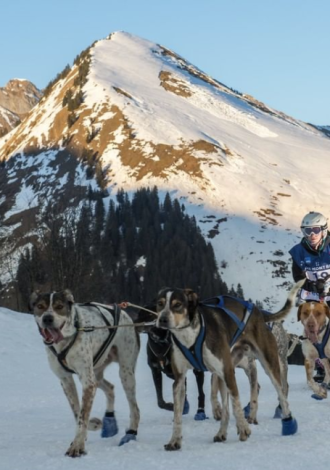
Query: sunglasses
[(309, 230)]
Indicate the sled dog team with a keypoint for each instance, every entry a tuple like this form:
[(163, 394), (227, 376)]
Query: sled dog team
[(216, 335)]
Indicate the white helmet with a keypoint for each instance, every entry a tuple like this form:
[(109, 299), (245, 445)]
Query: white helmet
[(314, 219)]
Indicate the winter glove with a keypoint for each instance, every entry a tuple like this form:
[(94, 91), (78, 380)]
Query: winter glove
[(319, 285)]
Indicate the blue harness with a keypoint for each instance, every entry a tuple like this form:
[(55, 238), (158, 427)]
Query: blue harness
[(220, 303), (194, 354), (320, 346)]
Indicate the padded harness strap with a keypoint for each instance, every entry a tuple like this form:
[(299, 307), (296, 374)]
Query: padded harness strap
[(194, 354), (320, 346), (220, 303), (61, 357)]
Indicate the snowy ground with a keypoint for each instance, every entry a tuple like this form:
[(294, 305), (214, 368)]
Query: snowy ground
[(37, 425)]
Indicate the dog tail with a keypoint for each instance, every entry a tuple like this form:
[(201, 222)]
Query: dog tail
[(290, 302)]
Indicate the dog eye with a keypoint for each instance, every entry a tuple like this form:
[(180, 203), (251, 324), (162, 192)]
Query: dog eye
[(40, 306), (59, 307), (160, 303), (177, 305)]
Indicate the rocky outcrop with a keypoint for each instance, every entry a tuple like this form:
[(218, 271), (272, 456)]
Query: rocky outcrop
[(17, 98)]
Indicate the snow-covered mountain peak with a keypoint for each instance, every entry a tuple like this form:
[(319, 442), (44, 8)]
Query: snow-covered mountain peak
[(131, 113)]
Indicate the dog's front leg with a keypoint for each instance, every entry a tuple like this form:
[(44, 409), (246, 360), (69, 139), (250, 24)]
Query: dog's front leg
[(221, 435), (178, 399), (216, 406), (70, 391), (319, 391), (326, 366), (243, 429), (77, 447), (158, 382)]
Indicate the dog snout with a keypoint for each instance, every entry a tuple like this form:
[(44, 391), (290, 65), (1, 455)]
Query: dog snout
[(48, 321), (311, 323), (163, 321)]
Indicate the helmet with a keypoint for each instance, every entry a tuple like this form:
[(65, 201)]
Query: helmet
[(314, 219)]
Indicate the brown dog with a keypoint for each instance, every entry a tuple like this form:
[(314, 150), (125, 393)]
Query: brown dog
[(207, 333), (315, 318), (248, 364)]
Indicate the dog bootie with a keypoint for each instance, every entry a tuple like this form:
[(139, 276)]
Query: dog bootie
[(316, 396), (289, 426), (278, 412), (186, 407), (109, 426), (129, 436), (200, 415), (247, 410)]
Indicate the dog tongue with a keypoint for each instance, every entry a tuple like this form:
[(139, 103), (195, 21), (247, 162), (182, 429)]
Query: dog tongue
[(56, 335), (52, 335), (312, 336)]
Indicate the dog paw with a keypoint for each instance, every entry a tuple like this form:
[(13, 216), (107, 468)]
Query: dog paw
[(75, 450), (321, 392), (217, 412), (317, 397), (243, 432), (166, 406), (175, 445), (94, 424), (220, 437), (252, 420)]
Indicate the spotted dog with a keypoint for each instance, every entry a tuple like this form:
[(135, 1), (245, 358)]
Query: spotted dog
[(206, 333), (316, 344), (77, 342)]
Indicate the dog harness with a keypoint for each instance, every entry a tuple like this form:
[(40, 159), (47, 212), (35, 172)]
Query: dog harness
[(194, 354), (61, 357), (220, 303), (320, 346), (160, 345)]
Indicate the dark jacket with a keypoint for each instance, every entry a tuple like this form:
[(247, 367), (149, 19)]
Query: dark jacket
[(298, 273)]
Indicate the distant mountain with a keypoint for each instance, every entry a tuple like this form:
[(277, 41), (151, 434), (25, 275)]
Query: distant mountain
[(17, 99), (130, 114)]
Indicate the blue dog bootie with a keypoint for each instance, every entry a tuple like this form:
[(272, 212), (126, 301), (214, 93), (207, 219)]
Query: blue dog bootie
[(186, 407), (289, 426), (109, 425), (247, 410), (200, 415), (278, 412), (129, 436), (316, 396)]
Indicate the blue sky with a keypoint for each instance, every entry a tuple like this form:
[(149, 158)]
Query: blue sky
[(277, 51)]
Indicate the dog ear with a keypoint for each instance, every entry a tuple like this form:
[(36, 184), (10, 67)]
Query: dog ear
[(68, 296), (192, 299), (326, 309), (33, 299), (299, 312)]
